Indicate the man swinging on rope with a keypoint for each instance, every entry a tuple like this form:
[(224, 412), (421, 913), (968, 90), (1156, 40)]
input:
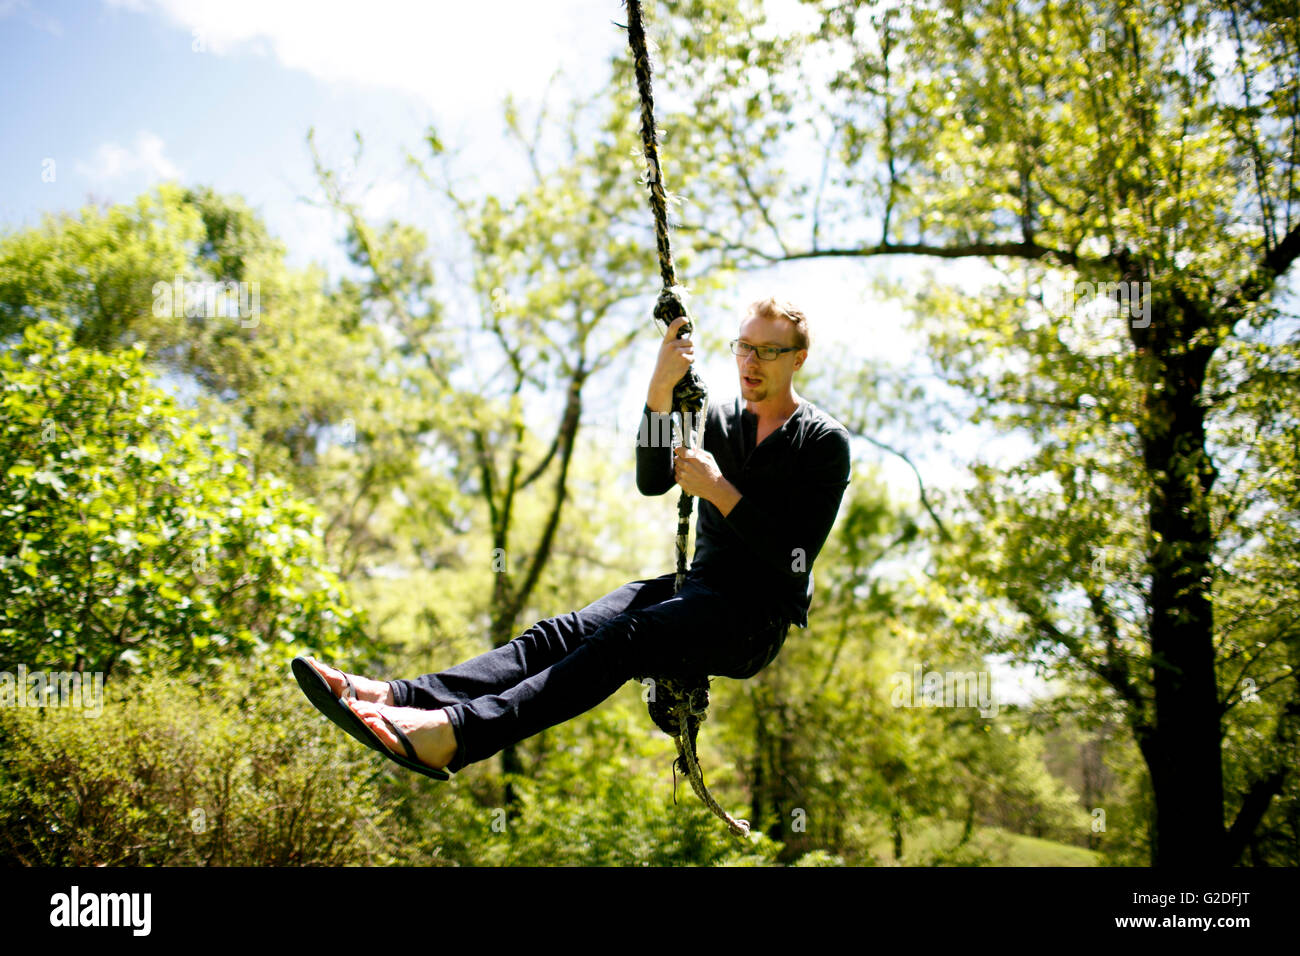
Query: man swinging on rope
[(770, 474)]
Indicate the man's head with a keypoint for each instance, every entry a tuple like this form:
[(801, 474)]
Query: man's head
[(775, 324)]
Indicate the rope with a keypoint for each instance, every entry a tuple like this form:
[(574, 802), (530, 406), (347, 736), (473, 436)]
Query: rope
[(658, 200), (680, 705)]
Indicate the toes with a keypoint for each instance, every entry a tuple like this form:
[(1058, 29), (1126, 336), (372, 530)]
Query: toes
[(328, 673), (367, 707), (369, 715)]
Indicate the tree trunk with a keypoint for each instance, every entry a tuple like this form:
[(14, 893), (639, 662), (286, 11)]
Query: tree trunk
[(767, 762), (1184, 759), (758, 785)]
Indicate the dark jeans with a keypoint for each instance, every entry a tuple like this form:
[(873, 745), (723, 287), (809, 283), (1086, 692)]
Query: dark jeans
[(566, 665)]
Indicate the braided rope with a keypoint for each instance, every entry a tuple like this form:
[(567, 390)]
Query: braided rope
[(685, 701), (654, 178)]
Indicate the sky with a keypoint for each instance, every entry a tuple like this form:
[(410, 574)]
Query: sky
[(124, 93), (106, 98)]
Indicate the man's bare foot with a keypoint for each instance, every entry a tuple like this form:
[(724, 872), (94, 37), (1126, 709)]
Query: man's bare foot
[(429, 731), (374, 691)]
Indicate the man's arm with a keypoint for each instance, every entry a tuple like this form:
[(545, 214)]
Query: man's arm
[(788, 530), (654, 453)]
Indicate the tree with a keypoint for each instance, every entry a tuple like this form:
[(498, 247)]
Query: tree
[(347, 433), (1146, 152)]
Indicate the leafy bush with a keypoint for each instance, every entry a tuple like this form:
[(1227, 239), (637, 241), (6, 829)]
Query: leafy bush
[(232, 771), (129, 534), (238, 770)]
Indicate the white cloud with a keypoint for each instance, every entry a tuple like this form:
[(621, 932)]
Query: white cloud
[(114, 161), (457, 57)]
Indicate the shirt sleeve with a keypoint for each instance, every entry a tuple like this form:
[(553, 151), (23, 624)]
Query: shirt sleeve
[(654, 453), (787, 530)]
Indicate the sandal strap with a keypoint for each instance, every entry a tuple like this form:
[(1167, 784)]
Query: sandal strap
[(406, 743)]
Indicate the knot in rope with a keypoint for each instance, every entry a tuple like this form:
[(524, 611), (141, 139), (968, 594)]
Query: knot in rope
[(671, 305)]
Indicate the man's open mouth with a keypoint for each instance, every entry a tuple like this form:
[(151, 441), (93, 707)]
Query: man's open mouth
[(751, 381)]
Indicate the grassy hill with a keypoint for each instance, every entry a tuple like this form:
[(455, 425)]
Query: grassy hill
[(930, 842)]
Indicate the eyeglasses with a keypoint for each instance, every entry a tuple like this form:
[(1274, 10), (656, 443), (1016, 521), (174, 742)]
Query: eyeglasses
[(765, 352)]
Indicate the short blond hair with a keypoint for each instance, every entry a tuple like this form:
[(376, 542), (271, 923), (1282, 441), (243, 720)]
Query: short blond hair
[(773, 308)]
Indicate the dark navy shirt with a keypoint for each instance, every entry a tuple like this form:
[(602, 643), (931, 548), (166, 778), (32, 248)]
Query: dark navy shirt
[(791, 486)]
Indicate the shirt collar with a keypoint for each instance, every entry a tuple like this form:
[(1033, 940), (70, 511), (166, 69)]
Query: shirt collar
[(742, 424)]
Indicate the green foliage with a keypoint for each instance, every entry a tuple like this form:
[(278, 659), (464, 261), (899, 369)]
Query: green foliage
[(232, 770), (597, 795), (129, 533), (95, 271), (238, 770), (1065, 143), (1089, 139), (818, 858)]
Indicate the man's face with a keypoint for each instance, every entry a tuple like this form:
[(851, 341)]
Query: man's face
[(758, 379)]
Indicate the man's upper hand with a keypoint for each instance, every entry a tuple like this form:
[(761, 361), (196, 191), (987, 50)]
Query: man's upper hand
[(675, 357)]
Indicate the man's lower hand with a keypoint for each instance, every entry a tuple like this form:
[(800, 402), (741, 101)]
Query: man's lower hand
[(698, 474)]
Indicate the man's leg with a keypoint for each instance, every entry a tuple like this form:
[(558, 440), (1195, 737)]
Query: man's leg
[(696, 630), (538, 648)]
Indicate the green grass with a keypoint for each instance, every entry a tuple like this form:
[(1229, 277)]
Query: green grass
[(930, 842)]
